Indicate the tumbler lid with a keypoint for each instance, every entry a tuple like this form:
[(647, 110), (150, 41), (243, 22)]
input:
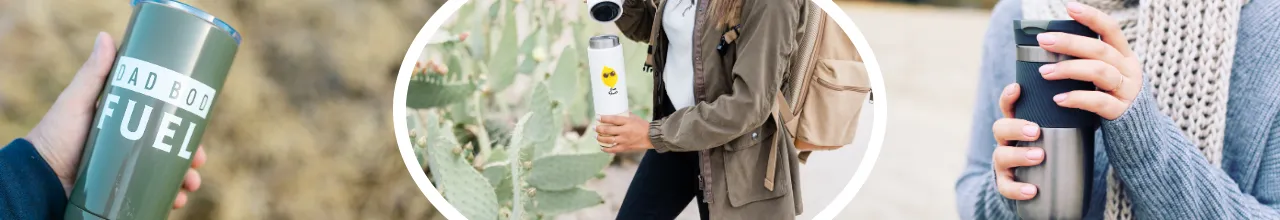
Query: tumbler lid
[(194, 11), (604, 41), (606, 11), (1025, 31)]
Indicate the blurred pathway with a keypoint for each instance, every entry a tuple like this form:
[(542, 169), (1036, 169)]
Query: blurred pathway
[(930, 58)]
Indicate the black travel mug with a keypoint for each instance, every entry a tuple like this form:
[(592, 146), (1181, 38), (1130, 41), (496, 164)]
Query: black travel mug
[(1066, 134)]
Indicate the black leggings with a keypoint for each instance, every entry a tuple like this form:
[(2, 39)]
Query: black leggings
[(663, 186)]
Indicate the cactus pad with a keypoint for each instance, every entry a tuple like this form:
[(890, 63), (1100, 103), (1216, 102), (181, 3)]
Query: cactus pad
[(556, 202), (562, 172), (467, 190)]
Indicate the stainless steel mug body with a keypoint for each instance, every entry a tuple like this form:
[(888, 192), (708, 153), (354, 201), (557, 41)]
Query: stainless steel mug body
[(1064, 178), (152, 112)]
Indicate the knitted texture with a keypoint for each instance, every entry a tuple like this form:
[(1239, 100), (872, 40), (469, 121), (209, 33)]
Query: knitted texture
[(1186, 50), (1168, 177)]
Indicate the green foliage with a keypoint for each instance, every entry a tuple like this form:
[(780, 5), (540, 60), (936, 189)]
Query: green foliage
[(556, 202), (562, 172), (514, 90), (437, 93), (453, 174)]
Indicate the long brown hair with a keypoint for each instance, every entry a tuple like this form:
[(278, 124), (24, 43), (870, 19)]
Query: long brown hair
[(727, 12)]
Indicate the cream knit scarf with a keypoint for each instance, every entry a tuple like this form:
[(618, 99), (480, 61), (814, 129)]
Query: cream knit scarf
[(1186, 49)]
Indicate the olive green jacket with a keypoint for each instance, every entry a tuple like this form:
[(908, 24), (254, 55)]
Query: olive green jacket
[(730, 124)]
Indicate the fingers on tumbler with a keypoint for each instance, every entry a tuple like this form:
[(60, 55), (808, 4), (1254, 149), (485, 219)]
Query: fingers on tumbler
[(180, 200), (1103, 75), (1013, 129), (191, 181), (1015, 190), (1098, 102), (607, 139), (1080, 46), (613, 119), (200, 158), (1008, 97), (1106, 26), (1005, 159), (608, 130), (1008, 157)]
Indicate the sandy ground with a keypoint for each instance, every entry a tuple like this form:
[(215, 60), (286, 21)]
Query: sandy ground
[(930, 58)]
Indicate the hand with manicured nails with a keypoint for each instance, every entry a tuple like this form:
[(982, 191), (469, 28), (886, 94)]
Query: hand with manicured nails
[(626, 133), (1107, 62), (61, 134)]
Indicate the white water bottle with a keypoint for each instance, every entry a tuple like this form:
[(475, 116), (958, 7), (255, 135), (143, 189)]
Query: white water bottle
[(608, 76)]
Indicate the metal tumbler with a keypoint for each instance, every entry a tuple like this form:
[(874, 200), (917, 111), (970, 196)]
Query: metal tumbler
[(1066, 134), (152, 112), (608, 76)]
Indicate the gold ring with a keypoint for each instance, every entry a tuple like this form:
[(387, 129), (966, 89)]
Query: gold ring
[(1119, 84), (611, 138)]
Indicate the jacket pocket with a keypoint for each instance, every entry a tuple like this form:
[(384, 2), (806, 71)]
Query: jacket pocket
[(751, 139), (746, 164), (835, 99)]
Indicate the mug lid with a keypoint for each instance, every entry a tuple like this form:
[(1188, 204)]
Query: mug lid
[(604, 41), (194, 11), (1025, 31)]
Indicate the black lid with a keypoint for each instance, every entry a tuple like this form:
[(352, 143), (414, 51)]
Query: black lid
[(1025, 31)]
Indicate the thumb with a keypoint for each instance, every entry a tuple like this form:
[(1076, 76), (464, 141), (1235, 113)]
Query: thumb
[(99, 64), (88, 82)]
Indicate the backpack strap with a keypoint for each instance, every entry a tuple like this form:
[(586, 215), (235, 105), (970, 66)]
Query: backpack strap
[(731, 11), (648, 60), (782, 116), (727, 39)]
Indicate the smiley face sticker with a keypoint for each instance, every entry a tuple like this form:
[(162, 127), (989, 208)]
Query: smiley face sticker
[(610, 78)]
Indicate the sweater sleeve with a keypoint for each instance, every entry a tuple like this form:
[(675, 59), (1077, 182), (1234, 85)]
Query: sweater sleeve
[(976, 194), (1166, 176), (28, 187)]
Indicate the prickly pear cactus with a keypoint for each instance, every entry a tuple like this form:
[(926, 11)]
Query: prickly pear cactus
[(501, 109), (453, 174), (566, 171)]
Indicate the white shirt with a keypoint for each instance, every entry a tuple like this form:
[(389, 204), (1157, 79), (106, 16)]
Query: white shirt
[(677, 22)]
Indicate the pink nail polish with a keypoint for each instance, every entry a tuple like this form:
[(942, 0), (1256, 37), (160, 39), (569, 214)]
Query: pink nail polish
[(1030, 130), (1029, 190), (1047, 69), (1035, 154), (1046, 39), (1075, 7), (1060, 97)]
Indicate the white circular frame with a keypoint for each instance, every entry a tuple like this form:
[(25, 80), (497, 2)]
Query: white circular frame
[(880, 113)]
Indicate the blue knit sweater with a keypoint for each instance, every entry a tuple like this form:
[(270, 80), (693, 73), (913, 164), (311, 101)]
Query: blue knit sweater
[(1166, 176), (28, 187)]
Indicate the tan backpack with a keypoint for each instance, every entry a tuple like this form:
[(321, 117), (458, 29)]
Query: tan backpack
[(822, 95)]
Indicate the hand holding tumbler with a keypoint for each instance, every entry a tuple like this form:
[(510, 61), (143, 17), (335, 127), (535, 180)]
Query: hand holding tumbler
[(1067, 134), (153, 112), (608, 76)]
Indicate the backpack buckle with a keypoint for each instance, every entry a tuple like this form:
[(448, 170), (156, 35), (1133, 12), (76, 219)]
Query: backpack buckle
[(727, 39)]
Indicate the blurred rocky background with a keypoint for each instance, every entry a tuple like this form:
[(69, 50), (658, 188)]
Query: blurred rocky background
[(303, 127)]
